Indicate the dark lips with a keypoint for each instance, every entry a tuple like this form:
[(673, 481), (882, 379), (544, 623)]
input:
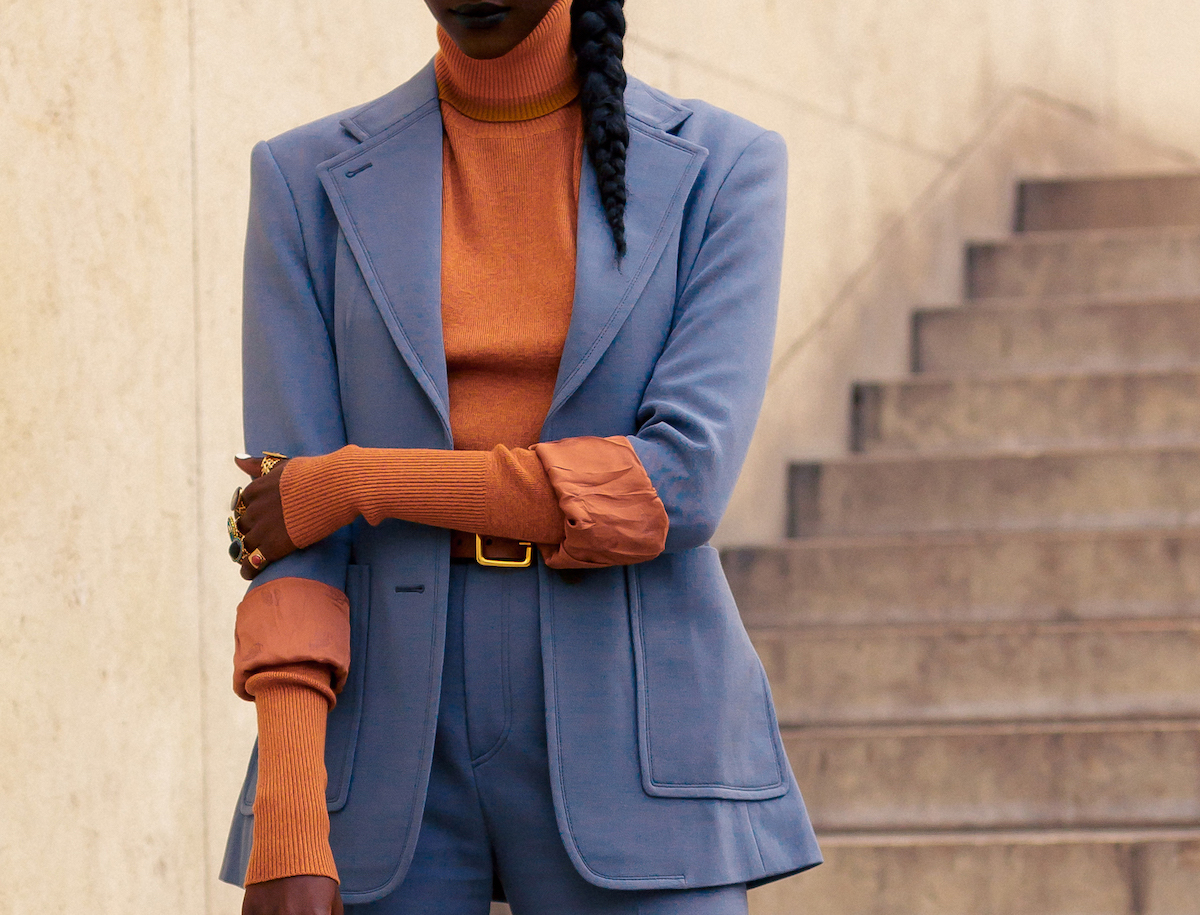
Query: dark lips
[(481, 15)]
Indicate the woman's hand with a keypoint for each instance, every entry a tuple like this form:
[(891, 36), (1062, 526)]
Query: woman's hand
[(293, 896), (261, 522)]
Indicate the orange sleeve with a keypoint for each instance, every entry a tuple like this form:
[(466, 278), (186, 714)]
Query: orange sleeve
[(291, 822), (587, 500), (502, 493), (288, 621), (613, 514)]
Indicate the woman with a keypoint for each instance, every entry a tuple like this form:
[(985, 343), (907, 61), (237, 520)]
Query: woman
[(515, 302)]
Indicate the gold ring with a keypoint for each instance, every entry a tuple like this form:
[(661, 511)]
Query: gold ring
[(236, 504), (269, 460), (257, 559), (237, 549)]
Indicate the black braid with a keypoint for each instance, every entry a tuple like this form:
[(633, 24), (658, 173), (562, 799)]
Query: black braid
[(597, 30)]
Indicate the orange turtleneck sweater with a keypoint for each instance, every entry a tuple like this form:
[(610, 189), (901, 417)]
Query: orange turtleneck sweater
[(512, 154)]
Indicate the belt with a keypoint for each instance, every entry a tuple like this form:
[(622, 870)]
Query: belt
[(491, 551)]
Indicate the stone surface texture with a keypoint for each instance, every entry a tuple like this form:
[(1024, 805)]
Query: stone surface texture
[(123, 180), (1060, 335), (983, 637)]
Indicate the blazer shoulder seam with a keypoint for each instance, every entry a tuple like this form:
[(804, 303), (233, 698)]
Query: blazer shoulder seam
[(295, 210), (763, 132)]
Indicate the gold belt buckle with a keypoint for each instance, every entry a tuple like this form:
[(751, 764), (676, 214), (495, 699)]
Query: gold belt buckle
[(504, 563)]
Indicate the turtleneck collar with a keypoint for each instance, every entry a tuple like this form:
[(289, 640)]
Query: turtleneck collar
[(533, 79)]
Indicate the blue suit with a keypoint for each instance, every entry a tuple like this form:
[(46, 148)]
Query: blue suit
[(666, 763)]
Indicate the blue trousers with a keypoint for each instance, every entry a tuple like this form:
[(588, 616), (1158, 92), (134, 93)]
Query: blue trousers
[(489, 818)]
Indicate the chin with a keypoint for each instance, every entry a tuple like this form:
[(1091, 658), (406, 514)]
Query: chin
[(485, 29), (480, 45)]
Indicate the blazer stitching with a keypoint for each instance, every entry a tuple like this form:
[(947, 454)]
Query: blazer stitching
[(386, 99), (386, 885), (641, 267), (754, 835), (677, 108), (343, 795), (558, 775), (775, 739), (635, 598), (422, 111), (371, 262), (649, 744)]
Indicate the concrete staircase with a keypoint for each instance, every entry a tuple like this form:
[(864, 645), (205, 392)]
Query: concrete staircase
[(983, 634)]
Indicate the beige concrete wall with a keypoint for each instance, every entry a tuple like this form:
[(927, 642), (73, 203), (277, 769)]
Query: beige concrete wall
[(100, 743), (127, 127)]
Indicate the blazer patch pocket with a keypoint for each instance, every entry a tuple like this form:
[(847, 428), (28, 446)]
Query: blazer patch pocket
[(341, 729), (706, 723)]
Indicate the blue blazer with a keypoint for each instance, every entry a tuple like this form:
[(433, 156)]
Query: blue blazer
[(667, 766)]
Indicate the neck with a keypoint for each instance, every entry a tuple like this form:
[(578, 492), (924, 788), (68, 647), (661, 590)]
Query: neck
[(533, 79)]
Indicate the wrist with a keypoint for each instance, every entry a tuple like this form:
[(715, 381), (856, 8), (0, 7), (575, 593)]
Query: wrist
[(318, 494)]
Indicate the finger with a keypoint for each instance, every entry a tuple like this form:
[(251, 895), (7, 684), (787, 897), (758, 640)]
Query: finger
[(255, 553), (257, 488), (248, 464), (257, 560), (233, 530), (246, 568), (265, 528)]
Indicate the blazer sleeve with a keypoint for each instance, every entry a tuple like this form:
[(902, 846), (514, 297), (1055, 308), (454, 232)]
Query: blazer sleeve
[(291, 400), (702, 402), (291, 405)]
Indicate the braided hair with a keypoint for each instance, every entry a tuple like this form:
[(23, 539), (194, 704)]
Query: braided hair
[(597, 33)]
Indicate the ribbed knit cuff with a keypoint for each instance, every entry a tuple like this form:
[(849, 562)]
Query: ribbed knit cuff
[(440, 488), (291, 823), (316, 498)]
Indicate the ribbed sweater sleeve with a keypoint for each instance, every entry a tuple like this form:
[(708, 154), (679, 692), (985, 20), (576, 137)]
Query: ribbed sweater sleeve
[(291, 823), (504, 492)]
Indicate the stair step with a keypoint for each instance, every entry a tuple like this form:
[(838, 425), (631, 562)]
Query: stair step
[(983, 671), (1153, 872), (1153, 486), (987, 337), (1003, 775), (929, 414), (977, 576), (1109, 203), (1136, 262)]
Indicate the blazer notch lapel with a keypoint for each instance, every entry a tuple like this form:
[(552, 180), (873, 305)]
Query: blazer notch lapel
[(653, 108), (387, 196), (376, 117), (660, 172)]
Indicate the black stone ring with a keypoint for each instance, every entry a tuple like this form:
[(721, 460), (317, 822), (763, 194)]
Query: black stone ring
[(237, 549)]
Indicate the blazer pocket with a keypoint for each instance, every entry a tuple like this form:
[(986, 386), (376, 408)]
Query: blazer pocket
[(706, 722), (341, 728)]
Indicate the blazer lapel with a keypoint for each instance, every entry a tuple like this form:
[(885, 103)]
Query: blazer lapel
[(387, 195), (660, 171)]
